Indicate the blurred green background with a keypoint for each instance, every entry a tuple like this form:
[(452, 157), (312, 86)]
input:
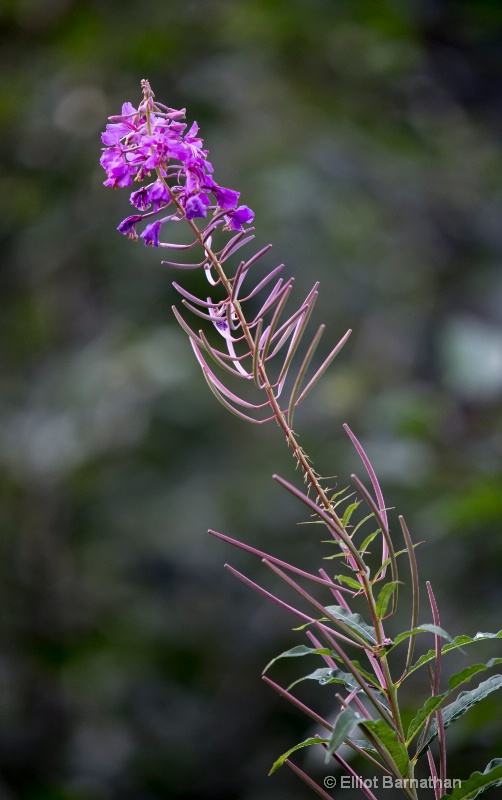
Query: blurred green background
[(367, 136)]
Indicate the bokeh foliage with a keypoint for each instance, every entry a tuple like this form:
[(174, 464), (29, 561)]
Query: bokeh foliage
[(367, 137)]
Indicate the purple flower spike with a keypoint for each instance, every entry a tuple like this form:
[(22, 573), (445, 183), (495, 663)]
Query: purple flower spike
[(150, 235), (236, 219), (153, 139), (128, 226)]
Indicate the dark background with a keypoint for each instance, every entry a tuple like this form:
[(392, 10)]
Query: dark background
[(367, 137)]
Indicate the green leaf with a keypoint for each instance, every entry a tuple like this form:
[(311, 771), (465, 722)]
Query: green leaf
[(348, 581), (336, 555), (435, 702), (344, 725), (364, 745), (387, 561), (369, 538), (340, 493), (280, 761), (463, 703), (466, 674), (459, 641), (369, 678), (478, 783), (426, 628), (387, 738), (327, 675), (349, 511), (431, 705), (299, 650), (383, 598), (353, 621)]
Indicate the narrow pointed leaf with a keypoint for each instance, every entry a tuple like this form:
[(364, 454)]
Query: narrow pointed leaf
[(459, 641), (326, 675), (461, 705), (280, 761), (384, 597), (433, 703), (343, 727), (364, 745), (371, 680), (363, 548), (478, 783), (466, 674), (355, 622), (348, 581), (425, 628), (387, 738), (299, 650), (349, 511), (352, 636)]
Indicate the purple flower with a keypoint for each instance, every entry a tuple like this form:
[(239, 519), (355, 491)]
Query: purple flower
[(226, 198), (196, 177), (142, 198), (196, 205), (128, 226), (159, 193), (161, 147), (236, 219), (117, 168), (114, 133), (122, 126), (128, 111), (151, 233), (194, 142)]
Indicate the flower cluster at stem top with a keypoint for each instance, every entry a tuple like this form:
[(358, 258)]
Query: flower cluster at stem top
[(152, 139)]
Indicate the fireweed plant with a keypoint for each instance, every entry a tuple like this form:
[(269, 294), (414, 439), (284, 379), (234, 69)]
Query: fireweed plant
[(263, 351)]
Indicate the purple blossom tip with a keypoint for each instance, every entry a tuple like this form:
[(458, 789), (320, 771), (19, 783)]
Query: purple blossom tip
[(152, 137), (128, 226), (226, 198), (150, 235), (235, 220)]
